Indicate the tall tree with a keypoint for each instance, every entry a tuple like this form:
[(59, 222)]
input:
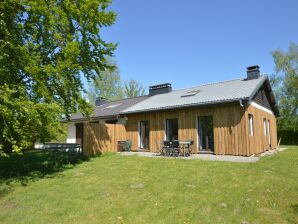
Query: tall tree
[(133, 88), (285, 84), (45, 47), (107, 84)]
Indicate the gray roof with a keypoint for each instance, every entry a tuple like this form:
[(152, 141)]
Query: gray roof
[(111, 109), (220, 92)]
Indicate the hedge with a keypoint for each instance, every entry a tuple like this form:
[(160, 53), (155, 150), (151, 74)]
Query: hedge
[(288, 137)]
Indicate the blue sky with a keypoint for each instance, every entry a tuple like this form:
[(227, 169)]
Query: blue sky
[(192, 42)]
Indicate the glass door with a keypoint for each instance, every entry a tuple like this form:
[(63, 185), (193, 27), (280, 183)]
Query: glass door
[(171, 129), (144, 135), (205, 132)]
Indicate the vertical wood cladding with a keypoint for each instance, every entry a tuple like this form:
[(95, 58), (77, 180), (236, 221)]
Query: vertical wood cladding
[(259, 142), (100, 138), (231, 130)]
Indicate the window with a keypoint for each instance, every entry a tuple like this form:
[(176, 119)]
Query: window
[(144, 134), (171, 129), (265, 126), (268, 130), (191, 93), (251, 124)]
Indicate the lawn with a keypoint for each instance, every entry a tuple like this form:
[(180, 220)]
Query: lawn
[(60, 188)]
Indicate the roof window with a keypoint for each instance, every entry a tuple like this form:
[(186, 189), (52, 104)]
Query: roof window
[(191, 93)]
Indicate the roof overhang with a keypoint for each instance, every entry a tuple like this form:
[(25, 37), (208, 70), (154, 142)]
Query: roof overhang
[(93, 119)]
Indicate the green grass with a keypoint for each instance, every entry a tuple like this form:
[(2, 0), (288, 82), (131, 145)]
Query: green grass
[(57, 188)]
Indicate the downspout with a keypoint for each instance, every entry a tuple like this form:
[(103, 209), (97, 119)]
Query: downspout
[(241, 104)]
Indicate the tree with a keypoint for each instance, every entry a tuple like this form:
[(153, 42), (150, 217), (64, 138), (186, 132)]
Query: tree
[(45, 47), (285, 85), (133, 88), (107, 84), (23, 122)]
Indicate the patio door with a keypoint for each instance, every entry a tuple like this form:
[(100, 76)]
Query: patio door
[(205, 133), (144, 134)]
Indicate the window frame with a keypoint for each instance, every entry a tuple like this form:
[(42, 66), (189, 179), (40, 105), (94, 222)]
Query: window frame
[(251, 124), (166, 129), (265, 126), (147, 124)]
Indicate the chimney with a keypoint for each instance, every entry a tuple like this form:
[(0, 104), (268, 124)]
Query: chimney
[(100, 101), (160, 89), (253, 72)]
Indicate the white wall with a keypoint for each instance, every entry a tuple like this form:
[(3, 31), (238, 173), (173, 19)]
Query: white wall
[(38, 145), (71, 133)]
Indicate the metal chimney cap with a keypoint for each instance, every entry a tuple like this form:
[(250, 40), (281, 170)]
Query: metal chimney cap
[(253, 67)]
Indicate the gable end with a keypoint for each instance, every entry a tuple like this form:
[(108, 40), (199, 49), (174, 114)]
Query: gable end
[(264, 97)]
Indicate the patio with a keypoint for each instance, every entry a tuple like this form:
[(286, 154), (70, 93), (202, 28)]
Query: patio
[(237, 159), (240, 159)]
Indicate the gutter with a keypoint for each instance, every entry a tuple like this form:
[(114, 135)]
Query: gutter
[(93, 118)]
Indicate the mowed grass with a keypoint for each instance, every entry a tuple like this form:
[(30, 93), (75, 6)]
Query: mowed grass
[(54, 188)]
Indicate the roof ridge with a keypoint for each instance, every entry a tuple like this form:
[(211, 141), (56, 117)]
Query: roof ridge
[(208, 84), (214, 83)]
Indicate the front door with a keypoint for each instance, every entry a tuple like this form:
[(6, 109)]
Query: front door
[(79, 133), (144, 135), (205, 133)]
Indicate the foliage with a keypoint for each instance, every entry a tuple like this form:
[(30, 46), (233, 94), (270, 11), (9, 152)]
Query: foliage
[(289, 137), (45, 48), (285, 85), (133, 88), (22, 121), (133, 189), (107, 84)]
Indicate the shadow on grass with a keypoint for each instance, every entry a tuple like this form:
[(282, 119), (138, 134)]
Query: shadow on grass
[(34, 165)]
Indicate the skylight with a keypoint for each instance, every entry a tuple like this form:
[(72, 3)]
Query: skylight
[(194, 91), (191, 93)]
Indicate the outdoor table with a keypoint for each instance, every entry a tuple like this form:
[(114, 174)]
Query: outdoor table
[(170, 147), (180, 147)]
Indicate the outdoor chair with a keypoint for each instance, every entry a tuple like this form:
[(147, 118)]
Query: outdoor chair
[(167, 148), (175, 148), (124, 145), (189, 147), (162, 148), (127, 145)]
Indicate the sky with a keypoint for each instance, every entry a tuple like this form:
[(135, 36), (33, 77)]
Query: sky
[(193, 42)]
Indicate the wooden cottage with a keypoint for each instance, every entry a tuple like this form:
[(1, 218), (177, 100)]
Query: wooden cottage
[(236, 117)]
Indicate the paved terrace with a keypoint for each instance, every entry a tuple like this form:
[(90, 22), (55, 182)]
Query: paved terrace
[(238, 159)]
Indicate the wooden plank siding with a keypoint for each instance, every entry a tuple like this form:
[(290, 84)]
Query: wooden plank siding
[(231, 128), (230, 121), (259, 142), (227, 121), (100, 138)]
